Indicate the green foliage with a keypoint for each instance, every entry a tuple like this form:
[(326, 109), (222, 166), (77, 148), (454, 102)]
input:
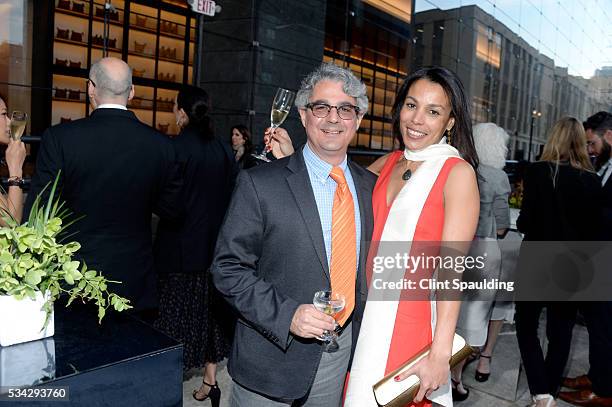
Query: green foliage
[(32, 259)]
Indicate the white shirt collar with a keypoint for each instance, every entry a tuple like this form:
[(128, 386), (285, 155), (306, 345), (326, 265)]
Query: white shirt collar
[(605, 172), (111, 106)]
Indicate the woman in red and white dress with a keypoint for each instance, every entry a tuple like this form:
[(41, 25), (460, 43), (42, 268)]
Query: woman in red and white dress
[(426, 192)]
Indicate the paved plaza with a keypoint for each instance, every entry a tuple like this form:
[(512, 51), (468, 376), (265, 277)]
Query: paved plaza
[(504, 388)]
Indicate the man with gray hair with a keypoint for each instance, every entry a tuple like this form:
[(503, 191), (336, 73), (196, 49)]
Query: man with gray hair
[(115, 171), (295, 227)]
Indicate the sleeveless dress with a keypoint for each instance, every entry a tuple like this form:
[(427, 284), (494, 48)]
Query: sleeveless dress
[(394, 331)]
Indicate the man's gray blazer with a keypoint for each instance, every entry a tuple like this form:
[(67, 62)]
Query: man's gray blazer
[(270, 258)]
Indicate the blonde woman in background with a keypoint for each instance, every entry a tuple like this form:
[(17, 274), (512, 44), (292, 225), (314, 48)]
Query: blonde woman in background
[(561, 202), (11, 203)]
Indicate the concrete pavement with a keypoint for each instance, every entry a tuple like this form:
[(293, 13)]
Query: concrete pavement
[(505, 388)]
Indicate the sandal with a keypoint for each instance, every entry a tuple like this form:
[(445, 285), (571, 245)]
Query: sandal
[(457, 395), (214, 394), (482, 377)]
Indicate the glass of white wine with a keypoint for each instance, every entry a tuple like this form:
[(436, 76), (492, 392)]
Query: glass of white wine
[(330, 303), (18, 124), (280, 110)]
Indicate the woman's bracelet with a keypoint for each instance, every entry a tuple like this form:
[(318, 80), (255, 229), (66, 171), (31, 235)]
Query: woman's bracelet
[(15, 181)]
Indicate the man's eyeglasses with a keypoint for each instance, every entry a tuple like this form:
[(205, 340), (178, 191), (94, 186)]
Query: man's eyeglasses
[(90, 81), (345, 112)]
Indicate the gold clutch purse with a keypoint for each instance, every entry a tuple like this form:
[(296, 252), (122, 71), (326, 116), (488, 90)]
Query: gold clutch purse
[(389, 393)]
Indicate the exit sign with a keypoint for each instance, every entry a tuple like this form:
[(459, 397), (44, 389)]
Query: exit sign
[(206, 7)]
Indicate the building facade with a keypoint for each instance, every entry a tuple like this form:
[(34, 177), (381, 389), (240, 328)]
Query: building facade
[(252, 48), (506, 79), (601, 82), (242, 54)]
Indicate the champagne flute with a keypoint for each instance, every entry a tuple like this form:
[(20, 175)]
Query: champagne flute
[(18, 124), (280, 110), (330, 303)]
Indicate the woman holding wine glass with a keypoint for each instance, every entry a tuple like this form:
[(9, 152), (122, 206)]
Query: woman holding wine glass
[(11, 204)]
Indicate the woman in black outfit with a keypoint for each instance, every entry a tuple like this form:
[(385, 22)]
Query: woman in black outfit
[(561, 201), (242, 146), (190, 309)]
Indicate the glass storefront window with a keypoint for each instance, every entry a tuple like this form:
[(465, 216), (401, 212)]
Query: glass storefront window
[(16, 53), (159, 46), (376, 50), (16, 64)]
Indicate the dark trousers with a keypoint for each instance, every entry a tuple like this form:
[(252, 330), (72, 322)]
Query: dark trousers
[(598, 318), (544, 373)]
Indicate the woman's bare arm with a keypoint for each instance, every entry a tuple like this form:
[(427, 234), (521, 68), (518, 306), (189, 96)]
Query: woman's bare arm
[(377, 166)]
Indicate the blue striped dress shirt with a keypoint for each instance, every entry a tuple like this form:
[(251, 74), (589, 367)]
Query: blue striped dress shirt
[(324, 188)]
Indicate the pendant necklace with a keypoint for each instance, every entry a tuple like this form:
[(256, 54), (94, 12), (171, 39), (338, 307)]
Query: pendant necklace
[(407, 174)]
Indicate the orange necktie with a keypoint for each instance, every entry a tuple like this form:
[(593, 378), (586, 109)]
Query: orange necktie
[(343, 266)]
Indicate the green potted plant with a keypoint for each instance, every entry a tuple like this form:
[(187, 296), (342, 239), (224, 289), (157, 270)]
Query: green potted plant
[(37, 266)]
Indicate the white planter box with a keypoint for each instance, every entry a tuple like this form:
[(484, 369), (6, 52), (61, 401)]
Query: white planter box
[(21, 321)]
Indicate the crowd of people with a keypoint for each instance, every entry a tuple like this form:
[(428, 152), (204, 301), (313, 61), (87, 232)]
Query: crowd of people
[(242, 246)]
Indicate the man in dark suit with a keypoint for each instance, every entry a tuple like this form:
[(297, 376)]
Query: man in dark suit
[(279, 245), (595, 388), (115, 171), (604, 132)]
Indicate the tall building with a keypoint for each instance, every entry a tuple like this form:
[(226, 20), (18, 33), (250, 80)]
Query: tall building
[(602, 84), (508, 81), (574, 95), (252, 48), (374, 42)]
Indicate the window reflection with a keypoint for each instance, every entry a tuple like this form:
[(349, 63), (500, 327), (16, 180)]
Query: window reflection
[(16, 62), (16, 53), (376, 50), (488, 45)]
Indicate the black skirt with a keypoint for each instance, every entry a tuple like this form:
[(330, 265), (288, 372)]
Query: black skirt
[(193, 312)]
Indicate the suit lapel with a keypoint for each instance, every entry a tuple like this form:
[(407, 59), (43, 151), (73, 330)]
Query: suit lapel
[(364, 197), (299, 184)]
